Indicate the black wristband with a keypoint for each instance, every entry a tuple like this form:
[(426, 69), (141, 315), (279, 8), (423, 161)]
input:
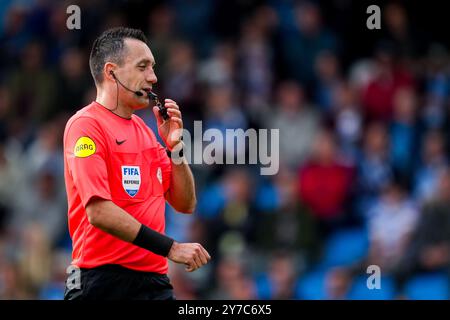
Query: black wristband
[(153, 241)]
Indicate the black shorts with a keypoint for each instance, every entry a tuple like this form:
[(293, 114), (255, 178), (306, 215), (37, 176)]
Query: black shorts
[(114, 282)]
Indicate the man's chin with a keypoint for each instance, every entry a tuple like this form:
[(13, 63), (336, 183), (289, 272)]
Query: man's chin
[(141, 105)]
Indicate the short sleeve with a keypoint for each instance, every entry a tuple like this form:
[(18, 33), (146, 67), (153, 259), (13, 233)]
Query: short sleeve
[(85, 153), (166, 167)]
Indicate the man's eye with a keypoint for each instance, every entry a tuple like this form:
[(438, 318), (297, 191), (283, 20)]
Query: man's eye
[(142, 68)]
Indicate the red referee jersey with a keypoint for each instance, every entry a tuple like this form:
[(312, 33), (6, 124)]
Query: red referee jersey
[(120, 160)]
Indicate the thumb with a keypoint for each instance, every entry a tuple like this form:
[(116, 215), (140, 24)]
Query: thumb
[(157, 115)]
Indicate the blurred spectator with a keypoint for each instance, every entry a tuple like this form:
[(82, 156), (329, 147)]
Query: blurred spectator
[(222, 113), (14, 35), (233, 282), (73, 80), (12, 179), (229, 212), (348, 120), (389, 77), (283, 222), (392, 221), (193, 25), (433, 162), (256, 60), (430, 247), (33, 87), (337, 283), (11, 284), (437, 87), (35, 259), (300, 46), (374, 171), (61, 38), (406, 39), (404, 133), (180, 73), (220, 68), (297, 121), (54, 288), (45, 205), (4, 6), (361, 74), (281, 277), (161, 33), (46, 150), (183, 286), (324, 183), (328, 78)]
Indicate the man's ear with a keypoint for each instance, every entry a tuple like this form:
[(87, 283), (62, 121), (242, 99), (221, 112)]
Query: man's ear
[(108, 71)]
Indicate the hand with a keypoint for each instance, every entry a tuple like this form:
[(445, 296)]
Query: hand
[(193, 255), (170, 130)]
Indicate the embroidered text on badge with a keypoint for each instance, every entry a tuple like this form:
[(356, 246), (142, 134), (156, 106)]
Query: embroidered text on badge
[(131, 179)]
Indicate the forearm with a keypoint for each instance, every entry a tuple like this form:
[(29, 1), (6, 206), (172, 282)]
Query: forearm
[(181, 194), (112, 219)]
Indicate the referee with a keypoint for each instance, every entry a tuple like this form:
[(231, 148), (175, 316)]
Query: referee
[(118, 178)]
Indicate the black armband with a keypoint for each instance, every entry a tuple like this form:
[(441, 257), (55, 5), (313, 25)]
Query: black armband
[(153, 241)]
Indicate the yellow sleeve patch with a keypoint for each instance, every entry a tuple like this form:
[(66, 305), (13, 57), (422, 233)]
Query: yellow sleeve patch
[(84, 147)]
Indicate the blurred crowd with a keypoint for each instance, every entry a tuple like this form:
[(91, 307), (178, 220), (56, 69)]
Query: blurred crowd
[(364, 144)]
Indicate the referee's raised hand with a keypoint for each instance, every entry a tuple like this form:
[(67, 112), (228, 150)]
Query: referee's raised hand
[(193, 255)]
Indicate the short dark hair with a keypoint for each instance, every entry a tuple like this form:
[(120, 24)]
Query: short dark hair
[(109, 47)]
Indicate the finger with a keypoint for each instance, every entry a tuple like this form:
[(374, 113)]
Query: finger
[(198, 261), (189, 267), (174, 112), (203, 258), (170, 103), (172, 108), (208, 257), (177, 121), (159, 118), (193, 264), (203, 254)]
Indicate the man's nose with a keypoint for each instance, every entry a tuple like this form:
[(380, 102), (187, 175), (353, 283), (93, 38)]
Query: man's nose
[(151, 77)]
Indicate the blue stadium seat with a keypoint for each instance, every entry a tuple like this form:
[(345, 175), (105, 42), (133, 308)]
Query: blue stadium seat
[(311, 286), (211, 201), (345, 247), (360, 291), (52, 291), (428, 286), (263, 287)]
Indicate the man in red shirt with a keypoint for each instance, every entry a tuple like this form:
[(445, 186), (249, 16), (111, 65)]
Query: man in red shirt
[(118, 178)]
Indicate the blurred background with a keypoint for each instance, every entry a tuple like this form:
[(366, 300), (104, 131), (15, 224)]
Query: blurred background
[(364, 142)]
